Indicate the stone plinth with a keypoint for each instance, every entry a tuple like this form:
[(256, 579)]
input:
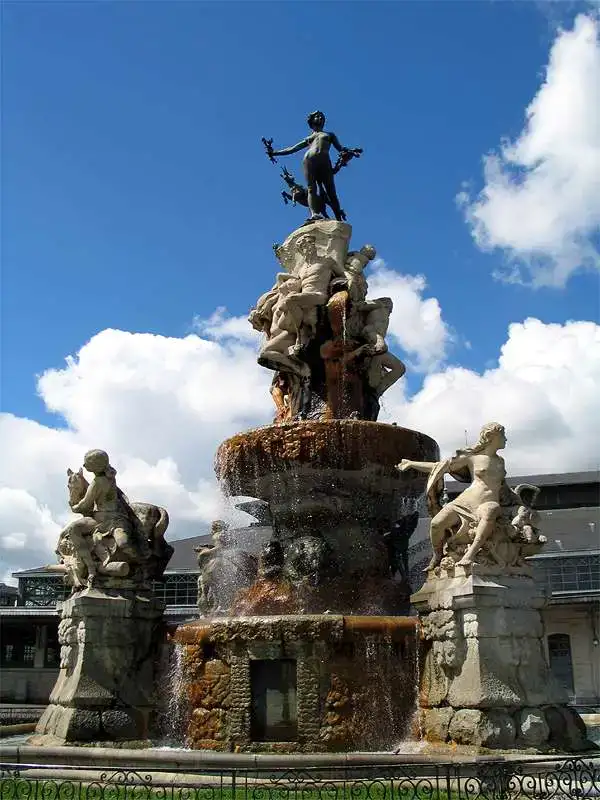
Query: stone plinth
[(317, 245), (349, 682), (110, 644), (485, 680)]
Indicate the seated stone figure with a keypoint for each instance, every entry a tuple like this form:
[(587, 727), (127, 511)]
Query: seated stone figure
[(476, 525), (383, 368), (287, 314), (113, 537), (354, 272), (284, 325)]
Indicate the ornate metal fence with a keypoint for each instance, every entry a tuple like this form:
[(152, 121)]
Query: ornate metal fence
[(473, 780)]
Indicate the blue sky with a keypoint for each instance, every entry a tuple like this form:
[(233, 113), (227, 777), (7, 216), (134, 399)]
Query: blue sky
[(136, 194), (137, 200)]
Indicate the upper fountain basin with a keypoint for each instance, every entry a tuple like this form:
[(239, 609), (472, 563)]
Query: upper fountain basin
[(314, 471)]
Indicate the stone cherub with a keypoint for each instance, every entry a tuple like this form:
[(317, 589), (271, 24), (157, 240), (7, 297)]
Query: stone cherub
[(220, 539), (354, 267), (113, 537), (526, 522), (369, 321), (384, 368), (318, 169), (281, 394)]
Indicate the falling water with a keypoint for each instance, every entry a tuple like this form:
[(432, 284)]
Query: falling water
[(414, 741), (379, 667), (174, 722), (344, 369), (417, 713)]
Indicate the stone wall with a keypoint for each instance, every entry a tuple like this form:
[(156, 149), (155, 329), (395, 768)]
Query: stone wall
[(26, 684)]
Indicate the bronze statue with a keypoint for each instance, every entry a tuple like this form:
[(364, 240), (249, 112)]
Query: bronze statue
[(318, 169)]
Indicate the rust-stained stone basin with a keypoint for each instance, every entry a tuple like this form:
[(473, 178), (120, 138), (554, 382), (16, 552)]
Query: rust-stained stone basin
[(308, 627), (312, 471), (345, 682), (333, 490)]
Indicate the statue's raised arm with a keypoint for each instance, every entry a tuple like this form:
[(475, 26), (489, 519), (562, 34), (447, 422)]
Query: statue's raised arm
[(295, 148)]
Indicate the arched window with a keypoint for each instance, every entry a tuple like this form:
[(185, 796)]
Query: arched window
[(561, 663)]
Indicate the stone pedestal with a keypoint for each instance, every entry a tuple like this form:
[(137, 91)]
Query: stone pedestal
[(485, 680), (315, 245), (110, 642), (305, 683)]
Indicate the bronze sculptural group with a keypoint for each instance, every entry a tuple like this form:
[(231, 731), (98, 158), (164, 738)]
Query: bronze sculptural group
[(320, 191)]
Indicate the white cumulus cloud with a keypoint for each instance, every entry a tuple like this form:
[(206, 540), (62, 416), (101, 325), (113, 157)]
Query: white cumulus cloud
[(541, 200), (544, 389), (28, 532), (161, 406), (416, 322), (221, 326)]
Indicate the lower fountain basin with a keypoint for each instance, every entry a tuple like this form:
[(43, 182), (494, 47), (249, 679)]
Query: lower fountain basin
[(306, 683)]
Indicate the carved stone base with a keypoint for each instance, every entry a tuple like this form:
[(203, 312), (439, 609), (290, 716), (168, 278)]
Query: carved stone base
[(110, 641), (485, 680), (348, 682)]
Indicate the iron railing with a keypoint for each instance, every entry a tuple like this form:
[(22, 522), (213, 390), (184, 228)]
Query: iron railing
[(474, 779)]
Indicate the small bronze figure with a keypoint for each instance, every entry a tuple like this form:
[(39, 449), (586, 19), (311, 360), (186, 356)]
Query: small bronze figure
[(318, 169)]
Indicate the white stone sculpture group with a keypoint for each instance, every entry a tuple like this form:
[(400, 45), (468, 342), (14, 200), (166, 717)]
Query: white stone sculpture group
[(318, 265), (114, 539), (488, 522)]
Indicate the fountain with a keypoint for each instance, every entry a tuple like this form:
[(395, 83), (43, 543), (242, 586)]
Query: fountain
[(310, 648), (315, 651), (311, 654)]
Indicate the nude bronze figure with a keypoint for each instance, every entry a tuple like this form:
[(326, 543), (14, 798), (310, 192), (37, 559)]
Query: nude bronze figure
[(318, 169)]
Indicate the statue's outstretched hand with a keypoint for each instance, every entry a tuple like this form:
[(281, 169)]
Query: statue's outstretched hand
[(268, 143), (404, 465)]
